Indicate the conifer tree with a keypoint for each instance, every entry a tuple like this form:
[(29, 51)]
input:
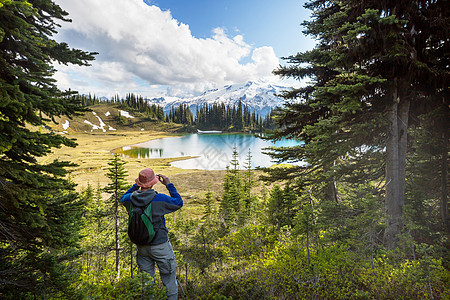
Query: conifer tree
[(230, 205), (248, 184), (275, 206), (370, 72), (208, 213), (39, 212), (427, 178), (239, 118), (118, 185), (281, 206), (97, 231), (236, 186)]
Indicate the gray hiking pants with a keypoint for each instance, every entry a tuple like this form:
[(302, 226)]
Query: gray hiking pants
[(164, 257)]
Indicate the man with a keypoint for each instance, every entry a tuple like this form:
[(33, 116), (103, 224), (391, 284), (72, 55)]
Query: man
[(159, 250)]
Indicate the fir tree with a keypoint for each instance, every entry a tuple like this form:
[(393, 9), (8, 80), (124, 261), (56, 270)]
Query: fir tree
[(208, 213), (40, 213), (275, 206), (368, 73), (281, 206), (118, 185), (230, 206), (248, 184)]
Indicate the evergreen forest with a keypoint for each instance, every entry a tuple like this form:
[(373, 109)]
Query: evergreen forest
[(363, 214), (216, 116)]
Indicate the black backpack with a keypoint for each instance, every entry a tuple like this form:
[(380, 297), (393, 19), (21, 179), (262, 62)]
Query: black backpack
[(140, 227)]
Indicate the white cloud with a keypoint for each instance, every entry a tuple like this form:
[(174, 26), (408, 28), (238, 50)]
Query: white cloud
[(142, 47)]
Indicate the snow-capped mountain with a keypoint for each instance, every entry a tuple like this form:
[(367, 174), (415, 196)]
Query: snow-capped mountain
[(258, 96)]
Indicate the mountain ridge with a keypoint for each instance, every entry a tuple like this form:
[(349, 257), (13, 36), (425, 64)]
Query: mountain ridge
[(258, 96)]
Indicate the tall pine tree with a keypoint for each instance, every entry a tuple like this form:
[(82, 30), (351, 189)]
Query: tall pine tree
[(117, 187), (39, 210), (375, 65)]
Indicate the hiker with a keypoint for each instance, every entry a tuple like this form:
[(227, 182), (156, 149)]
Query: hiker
[(159, 249)]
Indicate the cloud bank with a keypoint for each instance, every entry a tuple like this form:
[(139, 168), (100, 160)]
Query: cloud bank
[(143, 49)]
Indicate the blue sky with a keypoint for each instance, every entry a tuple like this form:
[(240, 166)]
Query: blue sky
[(263, 23), (179, 48)]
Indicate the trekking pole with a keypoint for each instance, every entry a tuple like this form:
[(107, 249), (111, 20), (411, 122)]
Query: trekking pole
[(182, 290)]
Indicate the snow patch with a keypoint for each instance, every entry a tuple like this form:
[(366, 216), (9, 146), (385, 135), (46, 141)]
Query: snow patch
[(102, 124), (107, 113), (66, 125), (94, 127), (125, 114)]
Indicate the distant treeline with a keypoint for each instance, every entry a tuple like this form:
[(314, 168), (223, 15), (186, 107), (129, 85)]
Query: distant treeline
[(217, 116), (130, 102)]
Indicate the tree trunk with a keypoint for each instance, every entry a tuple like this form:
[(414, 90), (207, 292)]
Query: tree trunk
[(444, 170), (117, 235), (331, 190), (131, 260), (396, 146)]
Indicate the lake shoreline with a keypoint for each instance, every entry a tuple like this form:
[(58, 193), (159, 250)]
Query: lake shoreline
[(212, 151), (95, 150)]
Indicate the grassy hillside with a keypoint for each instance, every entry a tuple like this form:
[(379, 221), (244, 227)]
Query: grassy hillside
[(114, 121)]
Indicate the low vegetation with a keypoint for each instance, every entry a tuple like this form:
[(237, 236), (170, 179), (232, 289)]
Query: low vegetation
[(365, 216), (246, 239)]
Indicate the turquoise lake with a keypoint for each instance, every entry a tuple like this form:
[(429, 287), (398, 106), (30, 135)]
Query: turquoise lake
[(211, 151)]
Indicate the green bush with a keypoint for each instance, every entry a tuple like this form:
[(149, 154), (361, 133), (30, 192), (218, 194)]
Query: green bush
[(141, 286)]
